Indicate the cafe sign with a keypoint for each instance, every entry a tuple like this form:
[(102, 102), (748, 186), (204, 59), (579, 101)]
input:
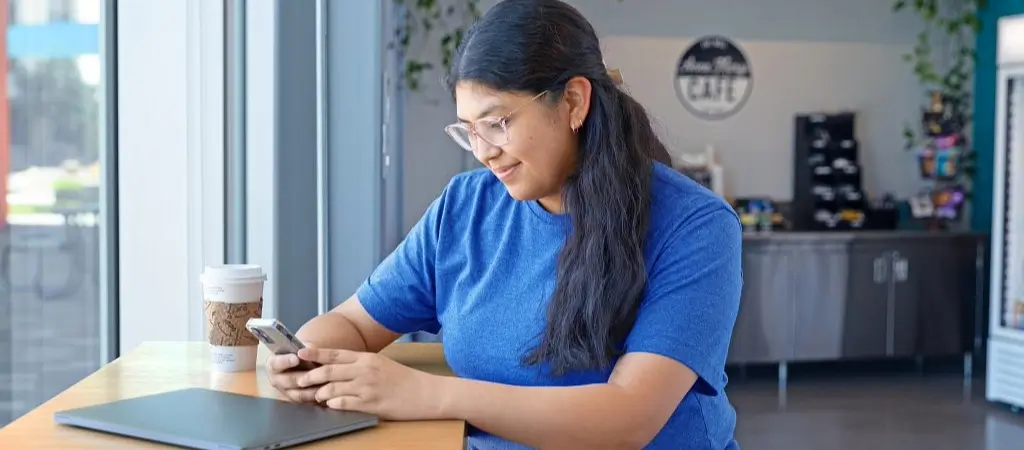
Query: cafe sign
[(713, 78)]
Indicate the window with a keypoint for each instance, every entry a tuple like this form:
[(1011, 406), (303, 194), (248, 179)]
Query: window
[(52, 313)]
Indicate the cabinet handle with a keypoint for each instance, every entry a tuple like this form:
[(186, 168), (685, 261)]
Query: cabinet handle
[(880, 272), (900, 267)]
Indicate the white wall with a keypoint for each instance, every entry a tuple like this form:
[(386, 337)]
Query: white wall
[(170, 164), (153, 222), (756, 145), (860, 42)]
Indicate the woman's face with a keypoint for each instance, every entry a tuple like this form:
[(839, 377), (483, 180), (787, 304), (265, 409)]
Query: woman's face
[(537, 143)]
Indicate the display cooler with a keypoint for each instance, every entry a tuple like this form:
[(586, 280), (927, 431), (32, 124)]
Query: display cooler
[(1005, 382)]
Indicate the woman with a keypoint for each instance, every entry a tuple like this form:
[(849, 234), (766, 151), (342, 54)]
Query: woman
[(587, 292)]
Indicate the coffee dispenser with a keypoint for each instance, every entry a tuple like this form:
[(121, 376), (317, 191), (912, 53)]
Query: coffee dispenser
[(703, 168)]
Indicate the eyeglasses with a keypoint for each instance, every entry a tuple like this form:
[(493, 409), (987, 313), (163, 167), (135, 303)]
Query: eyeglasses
[(493, 130)]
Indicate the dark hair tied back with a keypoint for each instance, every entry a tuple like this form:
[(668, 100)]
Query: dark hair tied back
[(530, 46)]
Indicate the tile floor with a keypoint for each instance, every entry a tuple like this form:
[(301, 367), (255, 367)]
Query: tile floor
[(892, 412)]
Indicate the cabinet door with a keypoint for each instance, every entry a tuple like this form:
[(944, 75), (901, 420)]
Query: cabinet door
[(940, 284), (865, 323), (762, 332), (819, 271), (908, 275)]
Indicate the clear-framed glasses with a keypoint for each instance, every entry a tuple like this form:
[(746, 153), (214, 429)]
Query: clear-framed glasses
[(493, 130)]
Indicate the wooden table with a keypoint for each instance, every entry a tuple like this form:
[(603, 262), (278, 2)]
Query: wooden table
[(157, 367)]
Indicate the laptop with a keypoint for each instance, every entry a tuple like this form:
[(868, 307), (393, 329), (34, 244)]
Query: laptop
[(214, 420)]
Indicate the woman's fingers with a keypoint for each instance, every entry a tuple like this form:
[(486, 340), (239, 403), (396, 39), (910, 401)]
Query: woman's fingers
[(307, 395), (284, 378), (329, 355), (281, 363), (287, 380), (347, 403), (337, 389), (329, 373)]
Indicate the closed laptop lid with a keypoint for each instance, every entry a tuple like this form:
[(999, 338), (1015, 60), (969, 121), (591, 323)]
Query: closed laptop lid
[(209, 419)]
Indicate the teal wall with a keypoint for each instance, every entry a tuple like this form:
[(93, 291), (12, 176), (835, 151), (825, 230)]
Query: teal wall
[(985, 109)]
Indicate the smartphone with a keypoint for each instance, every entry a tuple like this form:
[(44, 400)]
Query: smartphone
[(278, 339)]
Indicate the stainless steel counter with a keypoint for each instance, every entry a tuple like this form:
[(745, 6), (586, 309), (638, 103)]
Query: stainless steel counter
[(815, 296), (847, 236)]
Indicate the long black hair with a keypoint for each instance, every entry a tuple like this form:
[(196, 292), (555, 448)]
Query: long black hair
[(532, 46)]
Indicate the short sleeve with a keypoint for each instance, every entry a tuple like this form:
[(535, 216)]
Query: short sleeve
[(693, 296), (400, 294)]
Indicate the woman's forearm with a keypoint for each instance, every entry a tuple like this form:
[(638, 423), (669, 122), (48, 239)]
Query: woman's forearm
[(596, 416), (331, 330)]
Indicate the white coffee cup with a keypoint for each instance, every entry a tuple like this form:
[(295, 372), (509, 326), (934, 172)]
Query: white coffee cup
[(232, 294)]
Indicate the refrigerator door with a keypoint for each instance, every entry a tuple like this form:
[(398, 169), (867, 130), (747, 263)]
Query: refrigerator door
[(1006, 342), (1008, 299)]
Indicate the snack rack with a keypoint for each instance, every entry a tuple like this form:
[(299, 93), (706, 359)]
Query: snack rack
[(940, 155)]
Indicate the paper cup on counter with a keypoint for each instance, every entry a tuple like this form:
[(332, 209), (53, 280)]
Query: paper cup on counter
[(232, 294)]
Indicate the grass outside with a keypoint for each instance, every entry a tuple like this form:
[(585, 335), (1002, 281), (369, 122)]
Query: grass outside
[(15, 210), (62, 187)]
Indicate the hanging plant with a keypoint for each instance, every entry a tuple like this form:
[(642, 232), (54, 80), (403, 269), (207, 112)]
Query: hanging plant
[(422, 20), (943, 60), (948, 69)]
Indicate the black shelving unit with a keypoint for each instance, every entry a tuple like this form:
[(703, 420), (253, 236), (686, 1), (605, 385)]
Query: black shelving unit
[(828, 192)]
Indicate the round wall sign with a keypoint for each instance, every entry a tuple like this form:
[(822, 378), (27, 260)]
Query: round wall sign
[(713, 78)]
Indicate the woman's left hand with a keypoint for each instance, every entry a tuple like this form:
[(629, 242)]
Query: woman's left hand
[(371, 383)]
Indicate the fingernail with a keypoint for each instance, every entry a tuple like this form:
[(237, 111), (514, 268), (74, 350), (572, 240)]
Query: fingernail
[(292, 359)]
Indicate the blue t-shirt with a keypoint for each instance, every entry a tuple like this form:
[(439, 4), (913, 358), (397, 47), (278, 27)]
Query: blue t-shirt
[(481, 265)]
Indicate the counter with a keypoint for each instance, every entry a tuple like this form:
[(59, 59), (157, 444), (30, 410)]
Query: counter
[(818, 296), (847, 236)]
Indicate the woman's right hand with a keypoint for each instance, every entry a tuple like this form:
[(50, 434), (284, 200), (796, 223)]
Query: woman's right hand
[(284, 377)]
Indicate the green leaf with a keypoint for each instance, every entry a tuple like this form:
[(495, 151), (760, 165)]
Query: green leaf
[(974, 22), (909, 137)]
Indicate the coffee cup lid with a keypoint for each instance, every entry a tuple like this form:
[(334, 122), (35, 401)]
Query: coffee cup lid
[(234, 272)]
